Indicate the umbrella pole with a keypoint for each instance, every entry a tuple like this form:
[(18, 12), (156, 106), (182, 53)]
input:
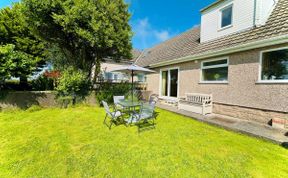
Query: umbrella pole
[(132, 84)]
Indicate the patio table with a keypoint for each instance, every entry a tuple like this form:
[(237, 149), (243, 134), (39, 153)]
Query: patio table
[(128, 104)]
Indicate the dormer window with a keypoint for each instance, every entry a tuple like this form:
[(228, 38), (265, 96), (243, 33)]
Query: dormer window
[(226, 16)]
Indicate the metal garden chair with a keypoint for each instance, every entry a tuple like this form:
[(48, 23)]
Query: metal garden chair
[(114, 116), (153, 99), (116, 100), (146, 115)]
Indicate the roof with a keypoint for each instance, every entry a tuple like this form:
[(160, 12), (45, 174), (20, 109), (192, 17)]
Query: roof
[(135, 54), (211, 5), (188, 43)]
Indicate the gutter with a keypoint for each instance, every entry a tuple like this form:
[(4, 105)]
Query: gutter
[(211, 5), (244, 47)]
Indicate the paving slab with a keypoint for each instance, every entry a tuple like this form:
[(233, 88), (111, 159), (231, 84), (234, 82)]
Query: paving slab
[(239, 125)]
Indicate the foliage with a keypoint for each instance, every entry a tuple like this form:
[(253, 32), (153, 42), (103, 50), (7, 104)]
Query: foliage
[(75, 143), (3, 94), (54, 74), (106, 91), (14, 63), (42, 83), (65, 101), (34, 108), (14, 85), (57, 58), (73, 83), (21, 52), (85, 31)]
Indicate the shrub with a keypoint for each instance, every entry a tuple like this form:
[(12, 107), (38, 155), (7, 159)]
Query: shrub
[(106, 91), (73, 83), (3, 94), (14, 85), (42, 83)]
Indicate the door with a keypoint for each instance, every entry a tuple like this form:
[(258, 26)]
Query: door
[(169, 83), (174, 83)]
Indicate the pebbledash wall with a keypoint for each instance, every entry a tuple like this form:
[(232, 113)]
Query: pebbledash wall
[(242, 97)]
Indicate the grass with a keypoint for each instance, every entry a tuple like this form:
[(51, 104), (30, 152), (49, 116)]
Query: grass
[(75, 143)]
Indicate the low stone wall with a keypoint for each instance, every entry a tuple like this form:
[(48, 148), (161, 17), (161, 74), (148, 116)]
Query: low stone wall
[(251, 114), (25, 99)]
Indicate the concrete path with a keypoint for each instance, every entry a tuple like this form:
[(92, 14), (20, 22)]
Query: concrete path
[(239, 125)]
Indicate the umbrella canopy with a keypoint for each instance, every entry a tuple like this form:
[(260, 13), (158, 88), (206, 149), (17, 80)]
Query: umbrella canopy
[(130, 68), (133, 69)]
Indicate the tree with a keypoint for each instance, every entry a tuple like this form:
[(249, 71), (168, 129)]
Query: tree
[(25, 51), (85, 31), (14, 63)]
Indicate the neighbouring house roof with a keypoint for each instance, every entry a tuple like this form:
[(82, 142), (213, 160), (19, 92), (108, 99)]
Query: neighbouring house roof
[(188, 43), (135, 55)]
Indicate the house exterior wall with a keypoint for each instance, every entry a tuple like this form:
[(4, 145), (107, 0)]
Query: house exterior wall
[(265, 8), (242, 89), (243, 18), (115, 76)]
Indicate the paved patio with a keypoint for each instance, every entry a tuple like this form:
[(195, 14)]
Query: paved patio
[(239, 125)]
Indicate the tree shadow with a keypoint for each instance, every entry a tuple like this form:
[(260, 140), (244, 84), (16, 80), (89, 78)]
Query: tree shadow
[(285, 145)]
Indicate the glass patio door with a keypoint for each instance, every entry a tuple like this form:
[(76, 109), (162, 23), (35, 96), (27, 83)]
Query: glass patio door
[(169, 83)]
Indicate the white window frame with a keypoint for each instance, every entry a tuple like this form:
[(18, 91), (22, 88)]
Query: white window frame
[(212, 67), (160, 83), (220, 16), (260, 67)]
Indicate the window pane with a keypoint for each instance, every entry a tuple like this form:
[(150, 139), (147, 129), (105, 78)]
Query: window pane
[(115, 77), (226, 17), (108, 76), (275, 65), (165, 83), (215, 74), (212, 63), (141, 77)]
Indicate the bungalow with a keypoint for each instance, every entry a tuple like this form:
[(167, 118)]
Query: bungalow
[(115, 77), (239, 54)]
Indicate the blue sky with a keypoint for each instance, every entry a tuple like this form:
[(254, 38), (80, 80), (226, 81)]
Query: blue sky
[(154, 21)]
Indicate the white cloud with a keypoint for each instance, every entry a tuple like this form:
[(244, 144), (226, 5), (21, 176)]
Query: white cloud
[(162, 35), (145, 35)]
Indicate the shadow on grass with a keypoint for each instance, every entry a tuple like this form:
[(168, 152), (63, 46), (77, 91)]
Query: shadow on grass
[(285, 145), (143, 125), (146, 126)]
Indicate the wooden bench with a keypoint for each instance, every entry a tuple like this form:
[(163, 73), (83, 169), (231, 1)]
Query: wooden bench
[(197, 103)]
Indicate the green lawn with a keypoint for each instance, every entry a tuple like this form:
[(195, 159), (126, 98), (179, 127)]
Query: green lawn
[(75, 143)]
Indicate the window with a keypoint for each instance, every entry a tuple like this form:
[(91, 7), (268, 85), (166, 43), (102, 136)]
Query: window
[(108, 76), (169, 83), (141, 77), (116, 77), (274, 65), (226, 16), (215, 71)]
